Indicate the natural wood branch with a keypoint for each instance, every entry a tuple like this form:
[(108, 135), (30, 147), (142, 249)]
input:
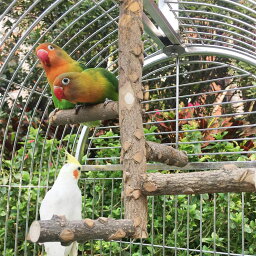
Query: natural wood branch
[(230, 179), (165, 154), (133, 154), (154, 151), (59, 229), (85, 114)]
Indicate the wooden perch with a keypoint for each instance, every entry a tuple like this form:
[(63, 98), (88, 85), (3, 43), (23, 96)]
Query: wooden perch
[(58, 229), (133, 154), (154, 151), (165, 154), (85, 114), (230, 179)]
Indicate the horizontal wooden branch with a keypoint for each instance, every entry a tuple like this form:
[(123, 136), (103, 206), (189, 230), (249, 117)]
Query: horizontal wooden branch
[(165, 154), (154, 151), (58, 229), (230, 179), (89, 113)]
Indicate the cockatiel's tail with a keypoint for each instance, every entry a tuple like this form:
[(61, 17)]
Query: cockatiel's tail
[(56, 61), (93, 86), (64, 198)]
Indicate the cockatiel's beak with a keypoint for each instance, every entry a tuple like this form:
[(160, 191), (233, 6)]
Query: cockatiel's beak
[(76, 174), (59, 92), (43, 56)]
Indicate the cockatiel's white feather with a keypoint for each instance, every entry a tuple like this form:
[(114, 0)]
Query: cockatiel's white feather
[(64, 198)]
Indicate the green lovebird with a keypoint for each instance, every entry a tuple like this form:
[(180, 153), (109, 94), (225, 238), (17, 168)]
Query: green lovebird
[(56, 61), (92, 86)]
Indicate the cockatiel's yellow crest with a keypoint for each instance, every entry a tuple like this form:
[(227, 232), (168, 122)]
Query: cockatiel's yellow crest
[(71, 159)]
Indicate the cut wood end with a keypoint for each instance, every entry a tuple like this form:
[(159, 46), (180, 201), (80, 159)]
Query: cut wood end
[(188, 191), (134, 77), (103, 220), (34, 231), (149, 186), (126, 145), (136, 194), (138, 157), (144, 234), (137, 50), (138, 134), (128, 191), (118, 235), (251, 177), (124, 20), (141, 234), (67, 235), (89, 223), (140, 95), (137, 221), (134, 7)]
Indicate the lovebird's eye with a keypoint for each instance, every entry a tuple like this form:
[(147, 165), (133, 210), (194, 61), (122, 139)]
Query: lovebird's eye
[(50, 47), (65, 81)]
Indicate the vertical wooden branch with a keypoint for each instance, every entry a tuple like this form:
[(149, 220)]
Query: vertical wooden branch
[(133, 155)]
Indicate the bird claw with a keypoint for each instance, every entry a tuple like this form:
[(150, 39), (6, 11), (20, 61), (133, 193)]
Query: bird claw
[(107, 101), (55, 111), (78, 107)]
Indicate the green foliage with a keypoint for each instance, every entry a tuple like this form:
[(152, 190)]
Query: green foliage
[(102, 197), (30, 172), (30, 166)]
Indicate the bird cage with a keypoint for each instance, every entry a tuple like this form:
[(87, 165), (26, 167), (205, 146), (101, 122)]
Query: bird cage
[(198, 97)]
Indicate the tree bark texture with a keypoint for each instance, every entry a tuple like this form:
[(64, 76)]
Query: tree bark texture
[(165, 154), (58, 229), (230, 179), (133, 154), (85, 114)]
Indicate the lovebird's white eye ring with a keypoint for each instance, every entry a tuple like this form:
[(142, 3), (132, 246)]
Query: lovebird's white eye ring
[(65, 81), (50, 47)]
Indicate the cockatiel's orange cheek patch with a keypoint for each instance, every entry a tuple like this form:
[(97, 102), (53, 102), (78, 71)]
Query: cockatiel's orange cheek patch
[(76, 174)]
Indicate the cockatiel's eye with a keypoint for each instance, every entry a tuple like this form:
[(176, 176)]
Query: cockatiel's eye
[(65, 81), (79, 168), (50, 47)]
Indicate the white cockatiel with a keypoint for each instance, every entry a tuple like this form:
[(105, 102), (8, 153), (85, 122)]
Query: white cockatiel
[(64, 198)]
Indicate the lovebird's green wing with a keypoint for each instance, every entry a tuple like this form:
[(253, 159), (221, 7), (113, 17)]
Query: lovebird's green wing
[(112, 86), (110, 77)]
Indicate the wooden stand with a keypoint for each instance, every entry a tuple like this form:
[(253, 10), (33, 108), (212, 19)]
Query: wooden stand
[(66, 232), (135, 152), (230, 179)]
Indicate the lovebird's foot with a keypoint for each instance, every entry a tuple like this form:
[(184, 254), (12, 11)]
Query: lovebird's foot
[(78, 108), (107, 101), (55, 111)]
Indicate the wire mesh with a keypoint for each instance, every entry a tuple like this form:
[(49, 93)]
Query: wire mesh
[(202, 105)]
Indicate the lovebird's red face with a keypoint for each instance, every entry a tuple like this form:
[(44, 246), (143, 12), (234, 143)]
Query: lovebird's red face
[(58, 89), (65, 86)]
